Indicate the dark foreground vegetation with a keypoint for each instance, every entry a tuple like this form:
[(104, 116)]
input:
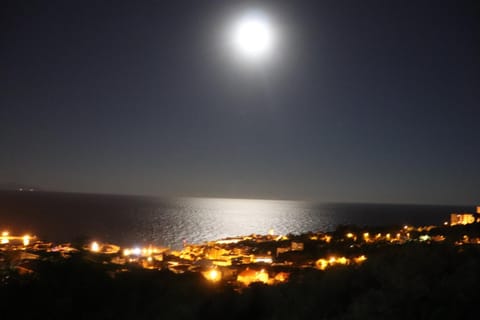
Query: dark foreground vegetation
[(410, 281)]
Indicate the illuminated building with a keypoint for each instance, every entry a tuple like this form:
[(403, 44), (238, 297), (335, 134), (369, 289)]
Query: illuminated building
[(222, 262), (142, 252), (322, 264), (282, 276), (281, 250), (366, 236), (262, 259), (438, 238), (249, 276), (360, 259), (461, 218), (297, 246)]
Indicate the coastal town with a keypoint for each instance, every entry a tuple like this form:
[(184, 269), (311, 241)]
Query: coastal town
[(240, 261)]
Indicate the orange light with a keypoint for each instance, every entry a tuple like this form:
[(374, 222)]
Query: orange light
[(342, 260), (281, 276), (321, 264), (213, 275), (262, 276), (360, 259)]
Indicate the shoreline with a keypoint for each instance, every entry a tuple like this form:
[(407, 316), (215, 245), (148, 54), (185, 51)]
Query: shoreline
[(340, 275)]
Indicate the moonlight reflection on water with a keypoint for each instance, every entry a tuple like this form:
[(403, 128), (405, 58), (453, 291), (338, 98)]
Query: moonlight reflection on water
[(129, 220)]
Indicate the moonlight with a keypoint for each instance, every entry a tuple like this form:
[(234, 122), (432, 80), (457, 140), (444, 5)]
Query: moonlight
[(253, 36)]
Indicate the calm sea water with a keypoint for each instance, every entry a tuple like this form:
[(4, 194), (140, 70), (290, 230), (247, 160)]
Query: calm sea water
[(129, 220)]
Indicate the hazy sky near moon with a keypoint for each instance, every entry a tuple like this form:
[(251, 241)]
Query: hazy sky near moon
[(360, 100)]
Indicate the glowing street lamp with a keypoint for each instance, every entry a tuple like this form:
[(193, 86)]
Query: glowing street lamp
[(213, 275), (95, 247), (26, 240), (4, 238)]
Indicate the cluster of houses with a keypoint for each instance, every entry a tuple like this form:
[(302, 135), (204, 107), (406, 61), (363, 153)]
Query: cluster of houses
[(240, 260), (268, 259)]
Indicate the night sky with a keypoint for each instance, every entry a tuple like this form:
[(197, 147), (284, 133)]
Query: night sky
[(371, 101)]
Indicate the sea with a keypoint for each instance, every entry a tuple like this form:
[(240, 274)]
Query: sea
[(170, 222)]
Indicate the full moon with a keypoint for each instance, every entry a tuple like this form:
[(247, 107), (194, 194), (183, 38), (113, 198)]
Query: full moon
[(253, 36)]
